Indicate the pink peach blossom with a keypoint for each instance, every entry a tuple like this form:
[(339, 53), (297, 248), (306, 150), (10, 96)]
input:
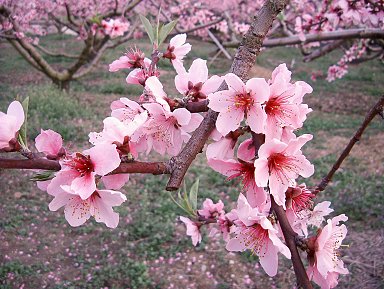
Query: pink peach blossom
[(279, 164), (325, 266), (125, 109), (99, 205), (193, 230), (49, 142), (284, 106), (132, 59), (79, 170), (255, 232), (10, 123), (165, 131), (211, 210), (238, 101), (177, 50), (242, 168), (195, 83)]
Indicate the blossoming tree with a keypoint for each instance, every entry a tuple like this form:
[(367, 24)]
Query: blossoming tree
[(98, 27), (274, 214)]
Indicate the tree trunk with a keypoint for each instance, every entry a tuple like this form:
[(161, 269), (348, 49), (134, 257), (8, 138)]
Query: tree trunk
[(62, 84)]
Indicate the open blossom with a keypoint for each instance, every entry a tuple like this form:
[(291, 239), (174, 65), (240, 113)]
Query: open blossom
[(255, 232), (244, 169), (279, 164), (50, 143), (211, 210), (140, 75), (119, 133), (132, 59), (99, 205), (284, 106), (126, 110), (10, 124), (114, 27), (166, 130), (79, 170), (193, 230), (325, 264), (195, 83), (239, 101), (177, 50)]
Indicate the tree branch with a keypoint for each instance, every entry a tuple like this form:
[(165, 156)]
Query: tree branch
[(361, 33), (56, 54), (323, 50), (375, 110), (243, 61), (155, 168), (290, 240)]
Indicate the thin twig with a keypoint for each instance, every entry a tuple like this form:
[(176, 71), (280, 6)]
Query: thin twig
[(375, 110)]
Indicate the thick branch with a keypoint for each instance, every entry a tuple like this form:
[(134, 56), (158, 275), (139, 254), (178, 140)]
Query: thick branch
[(323, 50), (375, 110), (155, 168), (360, 33), (243, 61), (56, 54), (290, 240)]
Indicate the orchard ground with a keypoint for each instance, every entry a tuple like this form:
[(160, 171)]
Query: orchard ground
[(150, 249)]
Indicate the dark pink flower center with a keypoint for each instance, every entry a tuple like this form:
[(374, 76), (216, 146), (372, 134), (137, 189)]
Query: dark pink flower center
[(194, 91), (255, 237), (299, 199), (279, 109), (244, 101), (281, 165), (82, 164)]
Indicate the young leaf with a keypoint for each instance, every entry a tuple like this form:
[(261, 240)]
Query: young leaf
[(148, 28), (22, 138), (43, 176), (193, 195), (165, 30)]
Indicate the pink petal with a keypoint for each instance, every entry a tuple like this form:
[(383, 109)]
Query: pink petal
[(220, 101), (212, 84), (121, 63), (296, 144), (104, 213), (77, 211), (198, 72), (194, 123), (181, 83), (84, 186), (16, 110), (271, 147), (236, 244), (115, 182), (60, 200), (104, 157), (228, 121), (112, 198), (246, 150), (278, 187), (269, 260), (178, 40), (49, 142), (182, 115), (256, 118), (259, 89), (261, 172), (234, 82), (224, 167)]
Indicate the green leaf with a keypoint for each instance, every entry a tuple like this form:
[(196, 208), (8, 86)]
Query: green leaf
[(178, 204), (165, 30), (43, 176), (22, 137), (193, 195), (148, 28)]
